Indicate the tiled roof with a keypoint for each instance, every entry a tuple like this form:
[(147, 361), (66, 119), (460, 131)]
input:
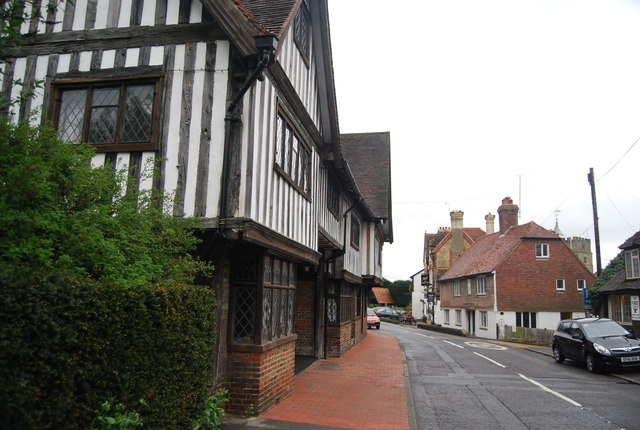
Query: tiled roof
[(382, 295), (272, 15), (486, 254), (474, 233), (369, 156), (632, 241), (619, 283)]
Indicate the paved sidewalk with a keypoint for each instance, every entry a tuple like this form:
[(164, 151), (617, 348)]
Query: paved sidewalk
[(364, 389)]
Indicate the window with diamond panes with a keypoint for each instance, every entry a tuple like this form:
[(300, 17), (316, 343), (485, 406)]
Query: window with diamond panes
[(301, 30), (278, 298), (244, 317), (292, 157), (114, 115), (355, 232), (245, 298)]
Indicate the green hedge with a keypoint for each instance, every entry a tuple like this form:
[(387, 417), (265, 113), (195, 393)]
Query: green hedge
[(66, 348)]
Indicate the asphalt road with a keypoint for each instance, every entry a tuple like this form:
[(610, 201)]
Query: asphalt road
[(459, 383)]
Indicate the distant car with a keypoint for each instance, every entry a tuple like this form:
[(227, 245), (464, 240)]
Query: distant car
[(388, 313), (372, 319), (597, 342)]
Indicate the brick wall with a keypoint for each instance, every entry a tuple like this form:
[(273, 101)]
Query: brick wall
[(304, 318), (529, 284), (448, 300), (339, 339), (260, 380)]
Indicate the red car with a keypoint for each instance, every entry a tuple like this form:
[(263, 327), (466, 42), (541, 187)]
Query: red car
[(372, 319)]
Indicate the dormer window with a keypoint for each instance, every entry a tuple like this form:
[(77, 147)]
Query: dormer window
[(302, 30), (632, 263), (542, 251)]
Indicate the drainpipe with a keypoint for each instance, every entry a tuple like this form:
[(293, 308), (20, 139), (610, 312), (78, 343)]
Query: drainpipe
[(266, 46)]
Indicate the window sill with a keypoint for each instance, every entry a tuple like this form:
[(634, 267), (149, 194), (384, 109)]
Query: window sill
[(247, 347)]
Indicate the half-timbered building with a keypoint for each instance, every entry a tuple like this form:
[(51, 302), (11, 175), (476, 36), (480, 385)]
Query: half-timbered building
[(233, 103)]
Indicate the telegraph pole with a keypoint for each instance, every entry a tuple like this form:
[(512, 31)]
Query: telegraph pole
[(596, 229)]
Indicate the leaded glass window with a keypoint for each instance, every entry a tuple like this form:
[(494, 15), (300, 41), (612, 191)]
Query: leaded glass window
[(113, 115), (292, 156), (302, 30), (244, 314)]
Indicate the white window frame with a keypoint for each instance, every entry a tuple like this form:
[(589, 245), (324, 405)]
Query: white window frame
[(469, 292), (632, 263), (456, 288), (560, 285), (581, 283), (542, 251), (446, 316), (481, 285), (458, 317), (484, 319)]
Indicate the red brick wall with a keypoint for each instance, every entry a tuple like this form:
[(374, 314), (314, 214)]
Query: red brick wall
[(465, 300), (529, 284), (304, 318), (338, 339), (260, 380)]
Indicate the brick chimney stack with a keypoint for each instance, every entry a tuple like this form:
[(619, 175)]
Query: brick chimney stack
[(490, 219), (508, 214), (457, 235)]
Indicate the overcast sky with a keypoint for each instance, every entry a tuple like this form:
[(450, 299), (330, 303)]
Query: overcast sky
[(492, 98)]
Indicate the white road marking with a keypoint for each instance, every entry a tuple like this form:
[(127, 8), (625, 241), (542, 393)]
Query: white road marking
[(486, 345), (549, 390), (489, 359), (451, 343), (424, 335)]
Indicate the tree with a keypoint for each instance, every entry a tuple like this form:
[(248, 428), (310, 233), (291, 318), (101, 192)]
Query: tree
[(400, 291), (614, 266), (57, 213)]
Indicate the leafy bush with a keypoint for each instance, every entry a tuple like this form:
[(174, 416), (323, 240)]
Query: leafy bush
[(65, 347), (113, 416), (96, 294), (58, 213), (213, 414)]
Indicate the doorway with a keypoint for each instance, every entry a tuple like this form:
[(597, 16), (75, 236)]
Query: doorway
[(471, 322)]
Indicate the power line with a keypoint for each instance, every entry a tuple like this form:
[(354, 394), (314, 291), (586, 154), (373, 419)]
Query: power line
[(621, 158)]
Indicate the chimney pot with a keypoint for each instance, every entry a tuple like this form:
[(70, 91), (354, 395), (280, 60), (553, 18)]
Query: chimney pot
[(490, 218), (508, 215)]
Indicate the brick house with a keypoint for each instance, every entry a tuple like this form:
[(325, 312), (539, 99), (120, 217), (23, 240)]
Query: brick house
[(622, 291), (520, 276), (440, 250), (233, 103)]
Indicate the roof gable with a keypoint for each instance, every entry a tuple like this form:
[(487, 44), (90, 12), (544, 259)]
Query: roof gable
[(369, 156), (632, 242), (488, 252), (383, 295)]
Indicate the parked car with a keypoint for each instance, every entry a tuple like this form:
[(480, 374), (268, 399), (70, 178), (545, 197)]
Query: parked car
[(388, 313), (597, 342), (372, 319)]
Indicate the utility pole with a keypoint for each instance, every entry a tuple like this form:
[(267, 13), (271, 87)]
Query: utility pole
[(596, 228)]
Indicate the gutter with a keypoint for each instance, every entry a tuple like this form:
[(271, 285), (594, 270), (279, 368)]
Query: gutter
[(266, 46)]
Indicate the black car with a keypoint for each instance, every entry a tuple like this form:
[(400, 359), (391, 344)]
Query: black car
[(387, 313), (597, 342)]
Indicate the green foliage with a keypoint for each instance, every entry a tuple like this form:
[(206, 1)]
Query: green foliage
[(113, 416), (400, 291), (213, 414), (65, 347), (58, 213), (614, 266), (13, 13)]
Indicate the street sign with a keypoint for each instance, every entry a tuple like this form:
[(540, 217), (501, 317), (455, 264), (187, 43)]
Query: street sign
[(424, 279), (430, 297), (586, 299)]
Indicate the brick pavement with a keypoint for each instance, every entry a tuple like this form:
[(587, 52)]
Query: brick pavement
[(364, 389)]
